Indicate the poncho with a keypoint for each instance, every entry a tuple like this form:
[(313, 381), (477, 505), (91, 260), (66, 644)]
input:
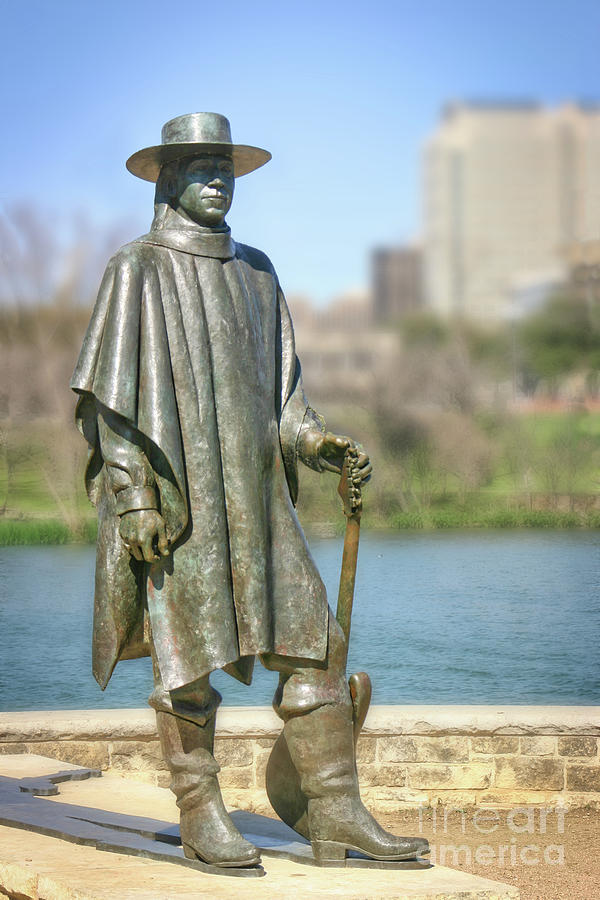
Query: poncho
[(191, 345)]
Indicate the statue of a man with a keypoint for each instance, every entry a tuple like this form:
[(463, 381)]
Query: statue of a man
[(191, 401)]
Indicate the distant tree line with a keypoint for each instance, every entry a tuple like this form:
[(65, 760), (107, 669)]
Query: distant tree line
[(47, 284), (441, 420)]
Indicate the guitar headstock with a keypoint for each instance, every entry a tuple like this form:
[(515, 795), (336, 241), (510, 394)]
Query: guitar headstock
[(349, 487)]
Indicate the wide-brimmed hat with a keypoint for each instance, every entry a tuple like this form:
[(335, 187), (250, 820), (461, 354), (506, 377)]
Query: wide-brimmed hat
[(203, 132)]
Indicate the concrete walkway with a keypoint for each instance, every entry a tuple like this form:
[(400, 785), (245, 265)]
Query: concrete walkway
[(37, 867)]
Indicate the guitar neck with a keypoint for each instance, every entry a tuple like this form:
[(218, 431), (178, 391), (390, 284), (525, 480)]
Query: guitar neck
[(348, 576), (352, 501)]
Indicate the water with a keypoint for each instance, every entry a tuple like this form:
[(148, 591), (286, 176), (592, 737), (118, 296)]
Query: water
[(448, 617)]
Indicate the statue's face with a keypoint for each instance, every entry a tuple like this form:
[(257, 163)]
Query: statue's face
[(205, 189)]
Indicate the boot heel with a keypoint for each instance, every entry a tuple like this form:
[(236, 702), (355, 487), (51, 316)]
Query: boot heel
[(328, 852), (188, 851)]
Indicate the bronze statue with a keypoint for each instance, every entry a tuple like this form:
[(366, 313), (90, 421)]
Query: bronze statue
[(191, 399)]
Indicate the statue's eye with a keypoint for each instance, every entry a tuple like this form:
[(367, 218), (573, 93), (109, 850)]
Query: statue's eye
[(199, 166), (226, 168)]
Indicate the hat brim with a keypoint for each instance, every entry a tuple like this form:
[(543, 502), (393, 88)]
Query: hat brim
[(147, 163)]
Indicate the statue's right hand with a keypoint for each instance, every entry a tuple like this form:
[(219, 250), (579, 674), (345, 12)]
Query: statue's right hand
[(139, 529)]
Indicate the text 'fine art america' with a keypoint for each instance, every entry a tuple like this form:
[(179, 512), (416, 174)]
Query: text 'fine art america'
[(191, 400)]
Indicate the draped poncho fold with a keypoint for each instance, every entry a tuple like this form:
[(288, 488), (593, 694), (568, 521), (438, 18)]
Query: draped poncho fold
[(191, 345)]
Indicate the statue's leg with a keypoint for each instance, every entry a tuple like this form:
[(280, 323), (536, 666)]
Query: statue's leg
[(185, 720), (315, 704)]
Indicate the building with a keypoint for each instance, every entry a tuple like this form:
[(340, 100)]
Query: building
[(397, 283), (584, 271), (340, 347), (509, 190)]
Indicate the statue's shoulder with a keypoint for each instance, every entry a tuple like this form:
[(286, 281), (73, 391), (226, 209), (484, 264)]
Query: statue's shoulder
[(132, 256), (255, 258)]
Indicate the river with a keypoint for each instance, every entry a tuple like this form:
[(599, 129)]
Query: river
[(509, 617)]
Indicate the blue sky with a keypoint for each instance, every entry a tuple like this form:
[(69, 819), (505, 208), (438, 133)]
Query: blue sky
[(341, 93)]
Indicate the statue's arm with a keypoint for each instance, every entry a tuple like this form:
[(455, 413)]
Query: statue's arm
[(132, 480), (318, 448), (309, 439), (130, 474)]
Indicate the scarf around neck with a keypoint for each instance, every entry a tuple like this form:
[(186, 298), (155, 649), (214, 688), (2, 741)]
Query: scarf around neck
[(171, 230)]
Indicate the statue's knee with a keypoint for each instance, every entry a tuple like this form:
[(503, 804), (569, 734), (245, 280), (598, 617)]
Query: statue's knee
[(311, 687), (195, 702)]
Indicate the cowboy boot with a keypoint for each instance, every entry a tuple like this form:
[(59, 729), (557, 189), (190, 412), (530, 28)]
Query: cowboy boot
[(207, 831), (321, 746)]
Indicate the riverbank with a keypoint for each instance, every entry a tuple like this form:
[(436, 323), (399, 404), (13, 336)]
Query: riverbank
[(40, 531), (36, 532)]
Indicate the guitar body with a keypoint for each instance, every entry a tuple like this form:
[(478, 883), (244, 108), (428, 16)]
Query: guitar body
[(360, 691)]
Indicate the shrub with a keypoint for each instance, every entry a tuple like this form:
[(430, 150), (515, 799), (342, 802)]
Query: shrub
[(450, 518), (26, 531), (407, 520), (544, 518), (502, 518)]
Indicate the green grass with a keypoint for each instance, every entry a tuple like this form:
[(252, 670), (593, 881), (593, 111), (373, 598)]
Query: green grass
[(14, 532), (495, 518), (567, 443), (49, 531), (593, 519), (411, 520), (43, 531)]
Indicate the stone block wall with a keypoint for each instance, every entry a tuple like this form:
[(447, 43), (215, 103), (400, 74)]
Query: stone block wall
[(407, 755)]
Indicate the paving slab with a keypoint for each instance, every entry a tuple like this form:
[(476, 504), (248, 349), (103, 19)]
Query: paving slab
[(42, 867)]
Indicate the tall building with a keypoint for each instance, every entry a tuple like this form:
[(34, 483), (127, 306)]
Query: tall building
[(509, 191), (397, 282)]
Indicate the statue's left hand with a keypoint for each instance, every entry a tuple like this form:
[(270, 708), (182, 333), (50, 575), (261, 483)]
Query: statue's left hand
[(140, 529), (332, 451)]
